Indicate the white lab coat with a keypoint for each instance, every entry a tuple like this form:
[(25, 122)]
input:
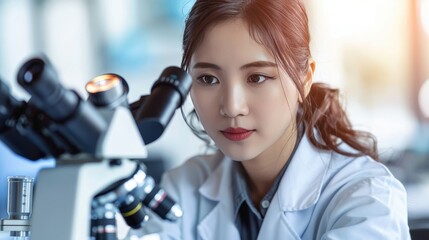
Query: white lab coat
[(322, 195)]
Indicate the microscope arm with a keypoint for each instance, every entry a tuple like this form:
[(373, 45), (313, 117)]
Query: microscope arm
[(63, 196), (62, 206)]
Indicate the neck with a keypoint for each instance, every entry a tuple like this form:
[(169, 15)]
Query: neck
[(263, 170)]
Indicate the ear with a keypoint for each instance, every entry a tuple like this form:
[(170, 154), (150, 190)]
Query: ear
[(308, 79)]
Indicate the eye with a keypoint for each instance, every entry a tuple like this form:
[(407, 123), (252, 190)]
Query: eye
[(208, 79), (258, 78)]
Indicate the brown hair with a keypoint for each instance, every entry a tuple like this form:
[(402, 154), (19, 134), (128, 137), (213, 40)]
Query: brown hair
[(282, 27)]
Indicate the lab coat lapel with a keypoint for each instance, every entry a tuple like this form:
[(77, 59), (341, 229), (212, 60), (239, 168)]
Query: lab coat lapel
[(276, 226), (281, 224), (219, 222), (299, 190)]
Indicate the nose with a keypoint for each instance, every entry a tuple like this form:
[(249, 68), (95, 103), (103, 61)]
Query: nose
[(234, 102)]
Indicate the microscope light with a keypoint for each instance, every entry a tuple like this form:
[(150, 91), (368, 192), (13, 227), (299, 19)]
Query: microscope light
[(102, 83), (107, 90)]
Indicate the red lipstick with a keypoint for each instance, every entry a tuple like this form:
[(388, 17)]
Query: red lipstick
[(237, 134)]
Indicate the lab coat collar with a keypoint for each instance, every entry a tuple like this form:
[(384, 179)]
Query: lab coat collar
[(219, 223), (299, 188), (219, 182)]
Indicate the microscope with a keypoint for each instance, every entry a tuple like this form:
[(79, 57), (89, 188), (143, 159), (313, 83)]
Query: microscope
[(98, 145)]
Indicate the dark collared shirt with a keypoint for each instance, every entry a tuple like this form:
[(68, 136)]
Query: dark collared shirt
[(248, 217)]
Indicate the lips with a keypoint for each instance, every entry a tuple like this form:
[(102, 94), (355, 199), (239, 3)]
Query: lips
[(237, 134)]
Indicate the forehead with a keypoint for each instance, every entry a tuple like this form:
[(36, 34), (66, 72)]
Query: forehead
[(230, 43)]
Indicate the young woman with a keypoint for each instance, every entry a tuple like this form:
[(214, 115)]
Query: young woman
[(289, 165)]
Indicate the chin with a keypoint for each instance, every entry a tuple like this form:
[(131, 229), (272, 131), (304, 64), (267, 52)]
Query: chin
[(238, 154)]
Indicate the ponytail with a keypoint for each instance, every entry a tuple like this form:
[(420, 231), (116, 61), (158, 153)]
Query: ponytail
[(324, 113)]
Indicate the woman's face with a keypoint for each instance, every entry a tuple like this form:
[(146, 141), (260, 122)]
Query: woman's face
[(246, 103)]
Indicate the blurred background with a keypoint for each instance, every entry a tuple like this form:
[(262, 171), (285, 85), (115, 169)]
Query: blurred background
[(375, 51)]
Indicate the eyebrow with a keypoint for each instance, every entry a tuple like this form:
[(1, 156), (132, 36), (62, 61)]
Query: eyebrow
[(248, 65)]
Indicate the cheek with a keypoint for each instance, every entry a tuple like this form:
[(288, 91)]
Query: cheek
[(271, 111), (277, 106), (204, 104), (198, 99)]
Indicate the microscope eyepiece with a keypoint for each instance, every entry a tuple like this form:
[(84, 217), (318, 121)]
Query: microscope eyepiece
[(39, 78), (76, 119), (108, 90), (167, 94), (34, 71), (176, 78)]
